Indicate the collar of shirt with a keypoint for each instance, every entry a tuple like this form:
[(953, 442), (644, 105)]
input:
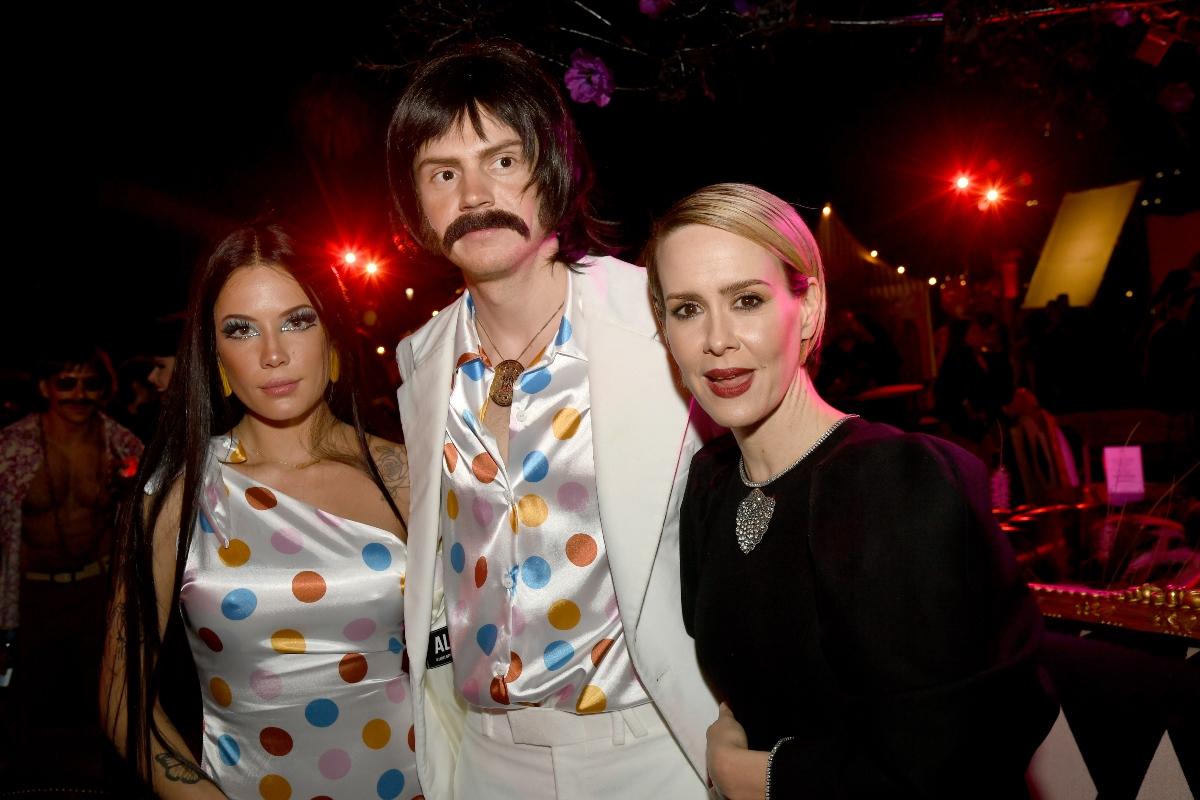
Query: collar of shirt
[(566, 342)]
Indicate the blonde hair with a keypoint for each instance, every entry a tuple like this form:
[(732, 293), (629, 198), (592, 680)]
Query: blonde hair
[(756, 215)]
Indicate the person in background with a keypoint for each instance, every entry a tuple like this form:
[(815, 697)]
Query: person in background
[(62, 472)]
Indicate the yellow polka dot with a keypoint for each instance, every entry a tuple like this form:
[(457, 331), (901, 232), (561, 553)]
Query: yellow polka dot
[(226, 485), (512, 518), (532, 510), (287, 641), (274, 787), (566, 423), (591, 700), (235, 553), (563, 614), (376, 734), (451, 504), (221, 692)]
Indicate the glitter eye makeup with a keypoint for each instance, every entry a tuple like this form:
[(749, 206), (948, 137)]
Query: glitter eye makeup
[(300, 320), (236, 328)]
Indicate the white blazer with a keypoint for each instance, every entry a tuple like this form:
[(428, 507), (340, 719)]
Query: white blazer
[(643, 442)]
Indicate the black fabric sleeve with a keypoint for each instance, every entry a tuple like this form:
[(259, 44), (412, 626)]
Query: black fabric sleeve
[(928, 630), (689, 529)]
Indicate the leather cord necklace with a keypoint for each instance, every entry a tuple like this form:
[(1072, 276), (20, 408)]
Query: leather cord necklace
[(509, 369)]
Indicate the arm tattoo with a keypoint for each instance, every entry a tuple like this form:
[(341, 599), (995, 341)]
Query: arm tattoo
[(179, 770), (393, 465)]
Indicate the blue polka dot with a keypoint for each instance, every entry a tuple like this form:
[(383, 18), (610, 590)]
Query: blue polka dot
[(458, 557), (473, 369), (321, 713), (470, 304), (377, 556), (205, 525), (535, 572), (390, 785), (558, 654), (395, 645), (231, 754), (564, 332), (469, 419), (535, 466), (239, 604), (534, 382), (486, 637)]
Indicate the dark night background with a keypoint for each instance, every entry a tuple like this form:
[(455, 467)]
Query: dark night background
[(143, 133)]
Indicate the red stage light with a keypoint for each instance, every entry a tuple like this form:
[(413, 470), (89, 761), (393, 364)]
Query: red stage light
[(350, 257), (962, 182), (372, 268)]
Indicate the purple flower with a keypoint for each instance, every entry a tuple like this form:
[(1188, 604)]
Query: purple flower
[(588, 79), (652, 8)]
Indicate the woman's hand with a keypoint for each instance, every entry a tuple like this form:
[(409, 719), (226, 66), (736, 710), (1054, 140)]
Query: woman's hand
[(736, 771)]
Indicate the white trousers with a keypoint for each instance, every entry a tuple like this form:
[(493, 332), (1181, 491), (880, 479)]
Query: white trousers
[(543, 753)]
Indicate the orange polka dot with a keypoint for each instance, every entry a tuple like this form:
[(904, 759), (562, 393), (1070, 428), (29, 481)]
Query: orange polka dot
[(451, 504), (532, 510), (499, 690), (262, 498), (235, 553), (563, 614), (352, 667), (412, 738), (480, 572), (221, 692), (514, 668), (287, 640), (484, 468), (451, 454), (600, 650), (274, 787), (308, 586), (275, 741), (591, 700), (566, 423), (376, 734), (581, 549)]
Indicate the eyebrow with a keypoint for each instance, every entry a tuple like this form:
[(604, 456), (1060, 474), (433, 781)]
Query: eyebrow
[(732, 288), (283, 315), (487, 152)]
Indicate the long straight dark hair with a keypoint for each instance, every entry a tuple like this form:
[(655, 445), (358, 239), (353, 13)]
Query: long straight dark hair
[(194, 410)]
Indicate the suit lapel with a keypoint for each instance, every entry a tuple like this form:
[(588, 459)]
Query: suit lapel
[(424, 403), (638, 424)]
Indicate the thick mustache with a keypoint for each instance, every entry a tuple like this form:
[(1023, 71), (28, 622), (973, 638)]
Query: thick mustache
[(492, 218)]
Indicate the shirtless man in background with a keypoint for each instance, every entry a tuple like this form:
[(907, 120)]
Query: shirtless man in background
[(61, 473)]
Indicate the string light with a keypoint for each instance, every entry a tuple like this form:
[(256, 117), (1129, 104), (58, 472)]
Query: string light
[(827, 210), (900, 269), (408, 293), (874, 254), (380, 350), (933, 281)]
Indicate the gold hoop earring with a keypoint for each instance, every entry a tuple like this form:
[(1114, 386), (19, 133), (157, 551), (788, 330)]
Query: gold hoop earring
[(226, 389), (335, 366)]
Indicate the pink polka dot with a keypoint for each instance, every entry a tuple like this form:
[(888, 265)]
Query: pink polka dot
[(212, 495), (572, 496), (470, 691), (287, 541), (328, 519), (610, 608), (265, 684), (482, 510), (334, 764), (518, 621), (566, 696), (396, 690), (359, 630)]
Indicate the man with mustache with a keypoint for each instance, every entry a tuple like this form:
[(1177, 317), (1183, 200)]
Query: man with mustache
[(549, 447), (61, 471)]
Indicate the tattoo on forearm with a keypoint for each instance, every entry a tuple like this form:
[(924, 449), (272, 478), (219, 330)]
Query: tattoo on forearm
[(179, 770), (393, 466)]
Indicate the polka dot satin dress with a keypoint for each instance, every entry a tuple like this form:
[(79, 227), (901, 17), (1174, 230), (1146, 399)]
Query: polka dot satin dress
[(295, 620)]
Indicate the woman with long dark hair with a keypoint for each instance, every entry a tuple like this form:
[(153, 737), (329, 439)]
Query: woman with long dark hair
[(272, 536), (852, 600)]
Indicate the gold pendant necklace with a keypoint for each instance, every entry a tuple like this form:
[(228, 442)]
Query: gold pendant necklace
[(509, 369)]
